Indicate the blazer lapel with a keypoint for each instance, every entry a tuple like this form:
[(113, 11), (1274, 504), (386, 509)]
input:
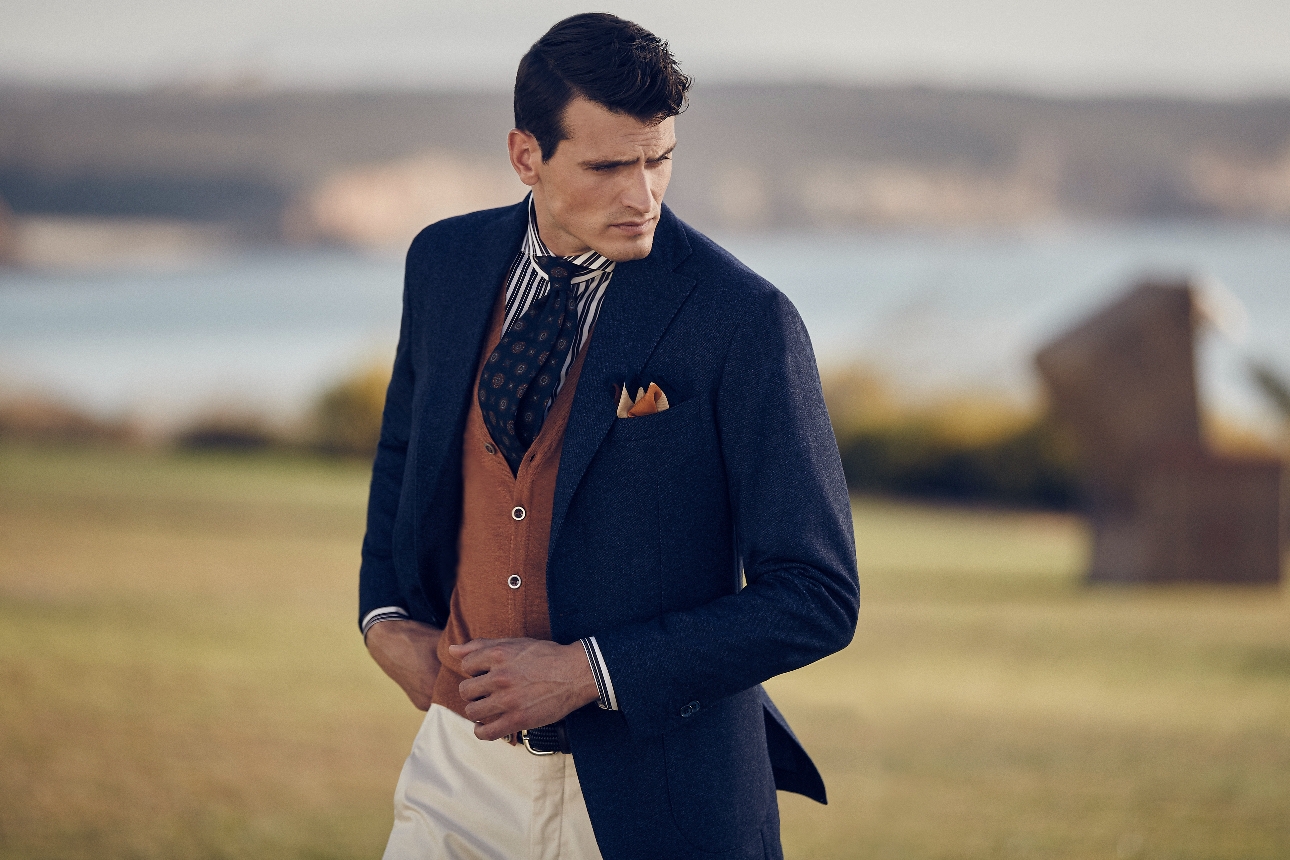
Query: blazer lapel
[(641, 300), (474, 269)]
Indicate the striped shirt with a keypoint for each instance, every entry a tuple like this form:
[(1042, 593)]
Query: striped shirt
[(526, 282)]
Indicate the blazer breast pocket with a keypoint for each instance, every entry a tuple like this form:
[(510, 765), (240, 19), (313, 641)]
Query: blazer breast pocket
[(676, 420)]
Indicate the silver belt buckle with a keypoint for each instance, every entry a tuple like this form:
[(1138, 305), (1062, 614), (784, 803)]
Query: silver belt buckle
[(524, 739)]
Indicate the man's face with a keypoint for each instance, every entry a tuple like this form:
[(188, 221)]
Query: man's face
[(603, 188)]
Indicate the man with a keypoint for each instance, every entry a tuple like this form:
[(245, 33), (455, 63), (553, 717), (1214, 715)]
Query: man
[(607, 502)]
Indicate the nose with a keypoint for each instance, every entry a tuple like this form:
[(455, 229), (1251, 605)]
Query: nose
[(637, 194)]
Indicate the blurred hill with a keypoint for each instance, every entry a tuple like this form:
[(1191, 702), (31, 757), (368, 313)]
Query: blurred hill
[(369, 168)]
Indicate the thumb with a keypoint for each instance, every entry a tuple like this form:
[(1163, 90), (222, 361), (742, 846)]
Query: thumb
[(470, 647)]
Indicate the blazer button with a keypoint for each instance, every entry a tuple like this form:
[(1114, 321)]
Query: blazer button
[(517, 513), (490, 447), (514, 581), (690, 709)]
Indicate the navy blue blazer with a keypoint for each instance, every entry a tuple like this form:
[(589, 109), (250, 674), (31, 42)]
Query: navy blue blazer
[(707, 547)]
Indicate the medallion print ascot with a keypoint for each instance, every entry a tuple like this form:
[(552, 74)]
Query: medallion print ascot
[(521, 375)]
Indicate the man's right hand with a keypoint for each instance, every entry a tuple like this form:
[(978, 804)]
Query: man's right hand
[(406, 650)]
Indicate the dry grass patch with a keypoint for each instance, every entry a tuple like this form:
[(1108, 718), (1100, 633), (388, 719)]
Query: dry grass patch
[(180, 676), (992, 706)]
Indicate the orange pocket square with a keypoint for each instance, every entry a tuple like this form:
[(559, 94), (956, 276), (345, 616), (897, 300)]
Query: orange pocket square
[(648, 401)]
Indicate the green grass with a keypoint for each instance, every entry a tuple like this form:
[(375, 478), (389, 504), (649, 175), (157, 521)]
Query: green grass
[(180, 676)]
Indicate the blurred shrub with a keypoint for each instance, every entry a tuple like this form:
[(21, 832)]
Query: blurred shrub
[(970, 449), (1231, 438), (962, 450), (1028, 468), (228, 430), (347, 416), (345, 420), (38, 419)]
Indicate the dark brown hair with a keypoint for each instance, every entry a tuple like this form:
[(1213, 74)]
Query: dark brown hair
[(617, 64)]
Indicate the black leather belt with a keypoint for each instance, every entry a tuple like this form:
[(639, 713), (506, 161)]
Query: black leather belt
[(545, 740)]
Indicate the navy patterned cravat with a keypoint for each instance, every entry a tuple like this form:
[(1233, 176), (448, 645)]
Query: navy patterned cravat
[(521, 375)]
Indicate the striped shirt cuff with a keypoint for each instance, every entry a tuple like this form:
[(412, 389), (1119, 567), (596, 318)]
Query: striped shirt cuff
[(599, 671), (385, 613)]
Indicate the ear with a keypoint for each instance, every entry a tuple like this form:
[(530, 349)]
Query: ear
[(526, 155)]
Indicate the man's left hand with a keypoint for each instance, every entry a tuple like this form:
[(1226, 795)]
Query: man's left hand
[(522, 683)]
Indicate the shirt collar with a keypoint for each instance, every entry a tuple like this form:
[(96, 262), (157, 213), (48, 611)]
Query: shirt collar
[(534, 247)]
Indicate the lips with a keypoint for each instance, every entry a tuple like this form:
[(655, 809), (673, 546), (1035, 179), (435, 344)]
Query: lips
[(634, 228)]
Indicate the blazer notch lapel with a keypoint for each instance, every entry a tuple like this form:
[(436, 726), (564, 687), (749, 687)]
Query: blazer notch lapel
[(641, 301), (471, 273)]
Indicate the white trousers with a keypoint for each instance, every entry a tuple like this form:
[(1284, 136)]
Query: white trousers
[(460, 798)]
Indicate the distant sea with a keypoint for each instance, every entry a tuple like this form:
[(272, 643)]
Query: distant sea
[(936, 312)]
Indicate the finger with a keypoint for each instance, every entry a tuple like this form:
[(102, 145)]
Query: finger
[(478, 687), (497, 729), (485, 710), (474, 655), (471, 647), (484, 658)]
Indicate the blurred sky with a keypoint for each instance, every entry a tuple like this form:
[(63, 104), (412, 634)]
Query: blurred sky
[(1208, 47)]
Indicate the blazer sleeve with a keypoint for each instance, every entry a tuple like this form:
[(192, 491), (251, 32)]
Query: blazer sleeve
[(793, 535), (378, 584)]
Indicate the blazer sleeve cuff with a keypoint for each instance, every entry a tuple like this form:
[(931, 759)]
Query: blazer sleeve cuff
[(384, 613), (604, 684)]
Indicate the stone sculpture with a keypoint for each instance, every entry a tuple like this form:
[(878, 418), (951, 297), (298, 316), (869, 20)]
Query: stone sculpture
[(1164, 508)]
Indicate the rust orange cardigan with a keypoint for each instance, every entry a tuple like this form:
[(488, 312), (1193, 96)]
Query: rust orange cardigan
[(505, 528)]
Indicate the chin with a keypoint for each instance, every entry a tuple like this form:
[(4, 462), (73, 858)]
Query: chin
[(635, 249)]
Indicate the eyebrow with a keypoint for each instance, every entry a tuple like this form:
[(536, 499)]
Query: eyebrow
[(605, 165)]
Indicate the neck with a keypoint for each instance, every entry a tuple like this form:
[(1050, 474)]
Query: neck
[(557, 241)]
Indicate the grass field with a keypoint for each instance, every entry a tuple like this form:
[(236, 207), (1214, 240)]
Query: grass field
[(180, 677)]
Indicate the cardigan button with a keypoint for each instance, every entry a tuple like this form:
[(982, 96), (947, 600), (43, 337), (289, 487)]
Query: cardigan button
[(490, 447), (517, 513), (514, 581), (690, 709)]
